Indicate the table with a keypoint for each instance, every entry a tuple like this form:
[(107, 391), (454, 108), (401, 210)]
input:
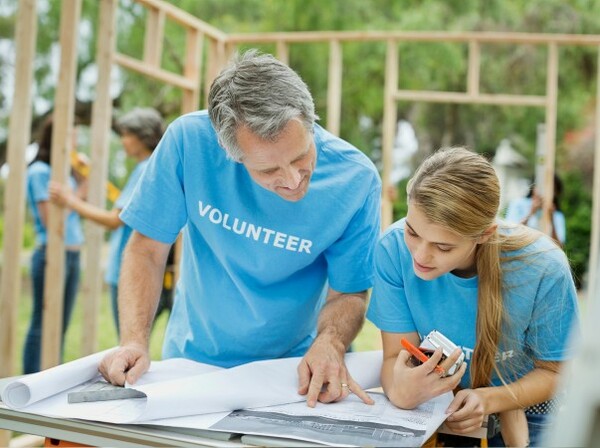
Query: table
[(106, 434)]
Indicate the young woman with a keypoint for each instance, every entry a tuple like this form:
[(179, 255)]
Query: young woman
[(503, 293), (38, 178)]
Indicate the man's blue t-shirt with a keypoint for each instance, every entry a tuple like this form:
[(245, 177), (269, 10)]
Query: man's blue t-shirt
[(539, 298), (120, 236), (255, 267), (38, 178)]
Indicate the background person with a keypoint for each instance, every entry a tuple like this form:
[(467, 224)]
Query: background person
[(503, 294), (38, 178), (528, 211), (140, 129), (279, 221)]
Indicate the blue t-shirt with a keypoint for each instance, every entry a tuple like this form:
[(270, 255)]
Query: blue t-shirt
[(539, 298), (120, 236), (519, 209), (38, 178), (255, 267)]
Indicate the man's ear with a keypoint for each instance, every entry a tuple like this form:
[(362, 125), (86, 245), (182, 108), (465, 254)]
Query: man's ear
[(487, 234)]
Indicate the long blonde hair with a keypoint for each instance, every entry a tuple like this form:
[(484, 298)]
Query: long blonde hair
[(459, 189)]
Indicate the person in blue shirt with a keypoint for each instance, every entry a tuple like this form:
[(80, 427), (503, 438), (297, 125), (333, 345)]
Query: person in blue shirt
[(528, 211), (503, 293), (279, 219), (140, 129), (38, 178)]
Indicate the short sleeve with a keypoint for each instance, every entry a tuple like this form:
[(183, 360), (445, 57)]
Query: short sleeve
[(555, 315), (350, 258), (388, 308), (39, 181), (157, 208)]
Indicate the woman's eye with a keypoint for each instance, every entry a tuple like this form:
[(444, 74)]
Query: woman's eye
[(444, 249)]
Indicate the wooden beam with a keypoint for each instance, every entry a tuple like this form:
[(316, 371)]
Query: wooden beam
[(474, 68), (334, 88), (152, 72), (64, 106), (184, 18), (283, 52), (100, 150), (550, 150), (389, 130), (417, 36), (192, 70), (593, 285), (465, 98), (154, 36), (19, 134), (216, 61)]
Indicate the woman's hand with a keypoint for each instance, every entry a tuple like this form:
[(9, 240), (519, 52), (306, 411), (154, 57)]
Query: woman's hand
[(415, 385), (467, 411), (60, 194)]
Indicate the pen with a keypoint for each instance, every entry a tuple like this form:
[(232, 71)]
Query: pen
[(417, 353)]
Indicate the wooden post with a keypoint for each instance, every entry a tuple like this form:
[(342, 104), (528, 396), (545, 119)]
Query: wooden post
[(100, 145), (334, 87), (14, 195), (192, 70), (283, 52), (61, 145), (551, 106), (154, 36), (474, 68), (593, 284), (389, 129)]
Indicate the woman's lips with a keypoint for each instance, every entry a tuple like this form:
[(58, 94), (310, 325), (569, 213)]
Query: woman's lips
[(421, 268)]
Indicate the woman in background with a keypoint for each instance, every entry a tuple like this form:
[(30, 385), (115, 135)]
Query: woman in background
[(38, 178)]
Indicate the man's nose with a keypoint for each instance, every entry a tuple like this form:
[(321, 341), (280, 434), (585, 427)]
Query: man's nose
[(292, 178)]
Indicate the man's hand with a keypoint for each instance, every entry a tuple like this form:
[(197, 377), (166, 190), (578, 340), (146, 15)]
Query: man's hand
[(126, 364), (323, 375)]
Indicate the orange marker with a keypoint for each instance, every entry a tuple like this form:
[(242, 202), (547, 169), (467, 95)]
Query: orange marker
[(417, 353)]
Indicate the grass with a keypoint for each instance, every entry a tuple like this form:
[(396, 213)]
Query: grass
[(368, 338)]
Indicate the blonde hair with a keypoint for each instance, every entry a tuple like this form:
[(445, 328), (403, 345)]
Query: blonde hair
[(459, 189)]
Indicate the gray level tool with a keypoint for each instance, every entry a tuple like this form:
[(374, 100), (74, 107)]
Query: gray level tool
[(103, 391)]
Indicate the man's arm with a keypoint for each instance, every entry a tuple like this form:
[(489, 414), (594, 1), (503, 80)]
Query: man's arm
[(140, 284), (323, 365)]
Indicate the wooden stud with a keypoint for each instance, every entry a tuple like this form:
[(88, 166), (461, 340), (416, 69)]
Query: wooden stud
[(64, 107), (334, 88), (389, 129)]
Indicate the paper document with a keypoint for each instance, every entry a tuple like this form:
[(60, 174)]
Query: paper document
[(175, 391), (349, 422)]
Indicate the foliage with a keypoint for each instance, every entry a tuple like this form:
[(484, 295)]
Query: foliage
[(577, 207)]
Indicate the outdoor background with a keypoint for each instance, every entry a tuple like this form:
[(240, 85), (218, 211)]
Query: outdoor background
[(515, 69)]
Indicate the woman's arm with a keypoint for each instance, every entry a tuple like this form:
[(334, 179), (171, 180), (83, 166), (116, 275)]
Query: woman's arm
[(470, 406), (61, 195)]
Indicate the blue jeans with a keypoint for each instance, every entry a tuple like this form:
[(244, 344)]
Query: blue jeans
[(33, 341)]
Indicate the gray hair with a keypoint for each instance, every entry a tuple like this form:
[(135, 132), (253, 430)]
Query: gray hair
[(145, 123), (261, 93)]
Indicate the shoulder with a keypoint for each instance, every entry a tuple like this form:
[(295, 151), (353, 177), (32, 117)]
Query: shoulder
[(38, 168), (392, 239), (343, 155), (190, 125), (542, 253)]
